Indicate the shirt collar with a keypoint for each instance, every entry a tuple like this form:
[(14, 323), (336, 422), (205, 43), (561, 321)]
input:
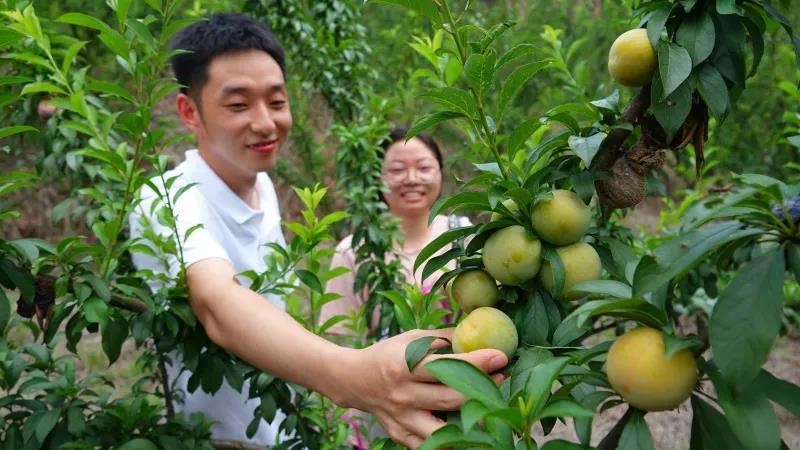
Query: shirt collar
[(219, 194)]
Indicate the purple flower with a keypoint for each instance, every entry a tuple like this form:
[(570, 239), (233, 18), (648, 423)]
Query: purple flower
[(793, 206)]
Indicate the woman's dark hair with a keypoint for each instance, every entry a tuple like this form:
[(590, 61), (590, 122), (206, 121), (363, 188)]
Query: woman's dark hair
[(399, 135), (218, 35)]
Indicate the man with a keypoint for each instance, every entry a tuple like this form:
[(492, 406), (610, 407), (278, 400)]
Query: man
[(235, 103)]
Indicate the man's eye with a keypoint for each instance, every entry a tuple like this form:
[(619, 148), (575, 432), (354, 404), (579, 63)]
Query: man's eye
[(236, 106), (278, 103)]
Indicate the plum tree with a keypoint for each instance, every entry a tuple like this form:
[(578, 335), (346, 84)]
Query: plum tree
[(641, 372), (581, 263), (561, 220), (486, 327), (473, 289), (512, 255)]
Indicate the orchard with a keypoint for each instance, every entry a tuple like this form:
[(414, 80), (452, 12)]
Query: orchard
[(565, 123)]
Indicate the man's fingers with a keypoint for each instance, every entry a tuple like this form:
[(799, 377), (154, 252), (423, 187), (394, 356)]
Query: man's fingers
[(416, 427), (487, 360)]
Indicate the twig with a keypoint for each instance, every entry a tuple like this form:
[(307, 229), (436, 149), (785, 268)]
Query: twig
[(611, 147), (162, 367), (234, 445)]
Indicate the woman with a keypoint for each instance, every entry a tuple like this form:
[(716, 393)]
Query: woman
[(412, 172)]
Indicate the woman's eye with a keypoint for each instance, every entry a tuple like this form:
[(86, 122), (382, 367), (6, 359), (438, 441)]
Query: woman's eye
[(237, 106)]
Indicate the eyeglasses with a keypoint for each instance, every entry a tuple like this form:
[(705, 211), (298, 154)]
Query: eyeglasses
[(424, 174)]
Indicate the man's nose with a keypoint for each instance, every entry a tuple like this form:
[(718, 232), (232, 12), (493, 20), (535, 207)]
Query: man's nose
[(262, 120)]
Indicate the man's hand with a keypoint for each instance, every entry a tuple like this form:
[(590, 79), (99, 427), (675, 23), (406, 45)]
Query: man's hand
[(401, 400)]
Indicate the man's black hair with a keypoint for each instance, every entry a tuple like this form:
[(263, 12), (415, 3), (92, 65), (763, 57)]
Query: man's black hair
[(218, 35)]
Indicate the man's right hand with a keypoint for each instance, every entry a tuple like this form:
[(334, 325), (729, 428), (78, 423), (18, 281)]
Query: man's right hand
[(377, 380)]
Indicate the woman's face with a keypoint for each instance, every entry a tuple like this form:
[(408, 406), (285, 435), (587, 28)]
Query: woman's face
[(414, 177)]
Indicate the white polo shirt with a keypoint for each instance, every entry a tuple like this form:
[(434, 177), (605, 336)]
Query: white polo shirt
[(233, 231)]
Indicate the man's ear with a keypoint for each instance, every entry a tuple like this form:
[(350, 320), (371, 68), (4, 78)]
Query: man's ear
[(189, 113)]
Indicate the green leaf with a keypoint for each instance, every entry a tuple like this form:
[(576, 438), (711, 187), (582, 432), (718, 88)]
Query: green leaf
[(636, 435), (657, 24), (114, 335), (441, 241), (71, 54), (417, 350), (96, 311), (673, 344), (779, 391), (310, 279), (453, 99), (10, 131), (793, 257), (479, 70), (728, 7), (697, 35), (5, 311), (76, 421), (609, 104), (521, 134), (430, 121), (515, 81), (472, 412), (403, 313), (560, 444), (516, 52), (540, 381), (426, 8), (41, 86), (110, 89), (674, 66), (749, 413), (610, 288), (785, 23), (84, 20), (673, 110), (678, 255), (8, 37), (633, 308), (46, 422), (565, 408), (713, 89), (747, 318), (451, 436), (138, 444), (586, 147), (728, 56), (757, 41), (116, 43), (122, 7), (467, 379), (553, 260), (710, 431)]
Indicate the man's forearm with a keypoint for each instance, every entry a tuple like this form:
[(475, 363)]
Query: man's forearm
[(249, 326)]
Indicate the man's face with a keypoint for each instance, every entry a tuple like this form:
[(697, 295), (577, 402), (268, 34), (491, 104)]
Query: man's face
[(244, 116)]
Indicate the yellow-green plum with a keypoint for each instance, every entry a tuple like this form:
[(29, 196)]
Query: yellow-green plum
[(639, 370), (486, 327), (561, 220), (510, 204), (581, 263), (512, 255), (473, 289)]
